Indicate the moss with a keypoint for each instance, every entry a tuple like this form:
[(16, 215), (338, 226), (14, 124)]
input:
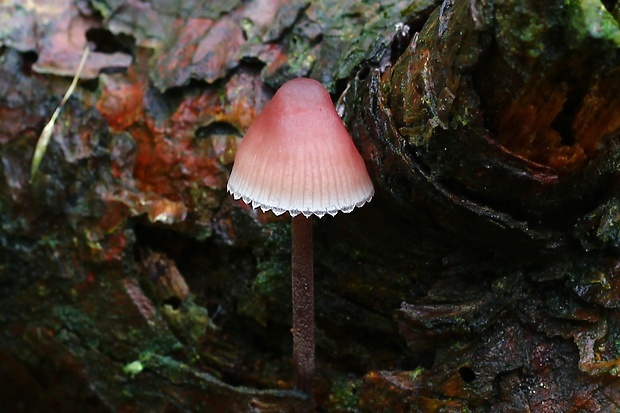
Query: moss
[(270, 288), (134, 368), (591, 20), (414, 374), (190, 320), (344, 395)]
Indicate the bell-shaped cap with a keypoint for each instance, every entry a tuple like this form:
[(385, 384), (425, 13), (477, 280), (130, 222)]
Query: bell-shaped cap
[(297, 157)]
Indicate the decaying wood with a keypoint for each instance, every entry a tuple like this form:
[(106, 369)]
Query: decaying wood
[(484, 276)]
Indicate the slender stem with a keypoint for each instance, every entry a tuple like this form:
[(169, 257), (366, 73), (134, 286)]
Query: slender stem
[(303, 304)]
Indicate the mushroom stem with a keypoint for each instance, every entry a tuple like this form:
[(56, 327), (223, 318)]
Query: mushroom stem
[(303, 303)]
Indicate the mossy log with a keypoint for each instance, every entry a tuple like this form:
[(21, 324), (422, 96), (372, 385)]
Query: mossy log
[(484, 275)]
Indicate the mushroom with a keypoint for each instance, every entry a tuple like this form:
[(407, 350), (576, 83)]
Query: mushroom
[(297, 157)]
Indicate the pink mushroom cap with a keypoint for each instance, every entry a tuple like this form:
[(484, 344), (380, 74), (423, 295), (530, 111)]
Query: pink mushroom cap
[(298, 157)]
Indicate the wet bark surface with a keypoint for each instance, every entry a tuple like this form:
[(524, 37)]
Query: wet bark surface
[(484, 275)]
